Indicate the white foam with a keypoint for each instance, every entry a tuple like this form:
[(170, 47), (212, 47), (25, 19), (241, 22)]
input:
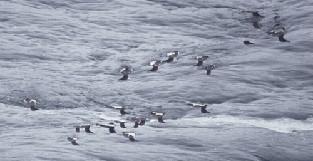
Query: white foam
[(283, 125)]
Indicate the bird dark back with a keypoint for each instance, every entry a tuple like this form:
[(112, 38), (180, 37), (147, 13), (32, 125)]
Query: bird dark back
[(73, 142), (160, 119), (33, 108), (170, 59), (125, 77), (112, 130), (122, 125), (200, 62), (87, 129), (203, 110), (282, 39), (122, 111), (247, 42), (131, 138), (154, 68)]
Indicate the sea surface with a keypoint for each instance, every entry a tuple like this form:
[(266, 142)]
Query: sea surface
[(67, 54)]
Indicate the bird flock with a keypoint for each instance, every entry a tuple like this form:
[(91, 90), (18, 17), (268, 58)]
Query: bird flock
[(171, 56), (278, 30), (137, 121)]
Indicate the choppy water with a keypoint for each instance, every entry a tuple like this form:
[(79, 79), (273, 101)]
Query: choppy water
[(67, 55)]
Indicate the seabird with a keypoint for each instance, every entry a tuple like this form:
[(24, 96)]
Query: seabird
[(111, 127), (77, 128), (142, 121), (139, 121), (73, 140), (130, 135), (246, 42), (86, 127), (159, 115), (202, 106), (26, 100), (32, 103), (279, 31), (122, 110), (155, 65), (282, 39), (201, 59), (125, 70), (171, 56), (209, 68), (122, 123)]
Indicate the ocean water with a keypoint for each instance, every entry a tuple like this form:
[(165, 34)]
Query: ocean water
[(67, 55)]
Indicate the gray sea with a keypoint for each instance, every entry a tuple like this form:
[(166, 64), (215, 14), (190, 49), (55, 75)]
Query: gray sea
[(67, 54)]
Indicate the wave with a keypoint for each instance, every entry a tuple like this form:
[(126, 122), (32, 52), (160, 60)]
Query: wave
[(281, 125)]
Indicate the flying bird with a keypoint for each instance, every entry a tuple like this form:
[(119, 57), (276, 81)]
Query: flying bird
[(171, 56), (125, 71), (246, 42), (209, 68), (159, 115), (31, 103), (155, 65), (121, 122), (130, 135), (201, 59), (110, 127), (73, 140), (202, 106), (122, 110), (279, 31), (86, 127)]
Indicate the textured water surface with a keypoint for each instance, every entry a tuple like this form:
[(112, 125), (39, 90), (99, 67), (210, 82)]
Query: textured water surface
[(67, 55)]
